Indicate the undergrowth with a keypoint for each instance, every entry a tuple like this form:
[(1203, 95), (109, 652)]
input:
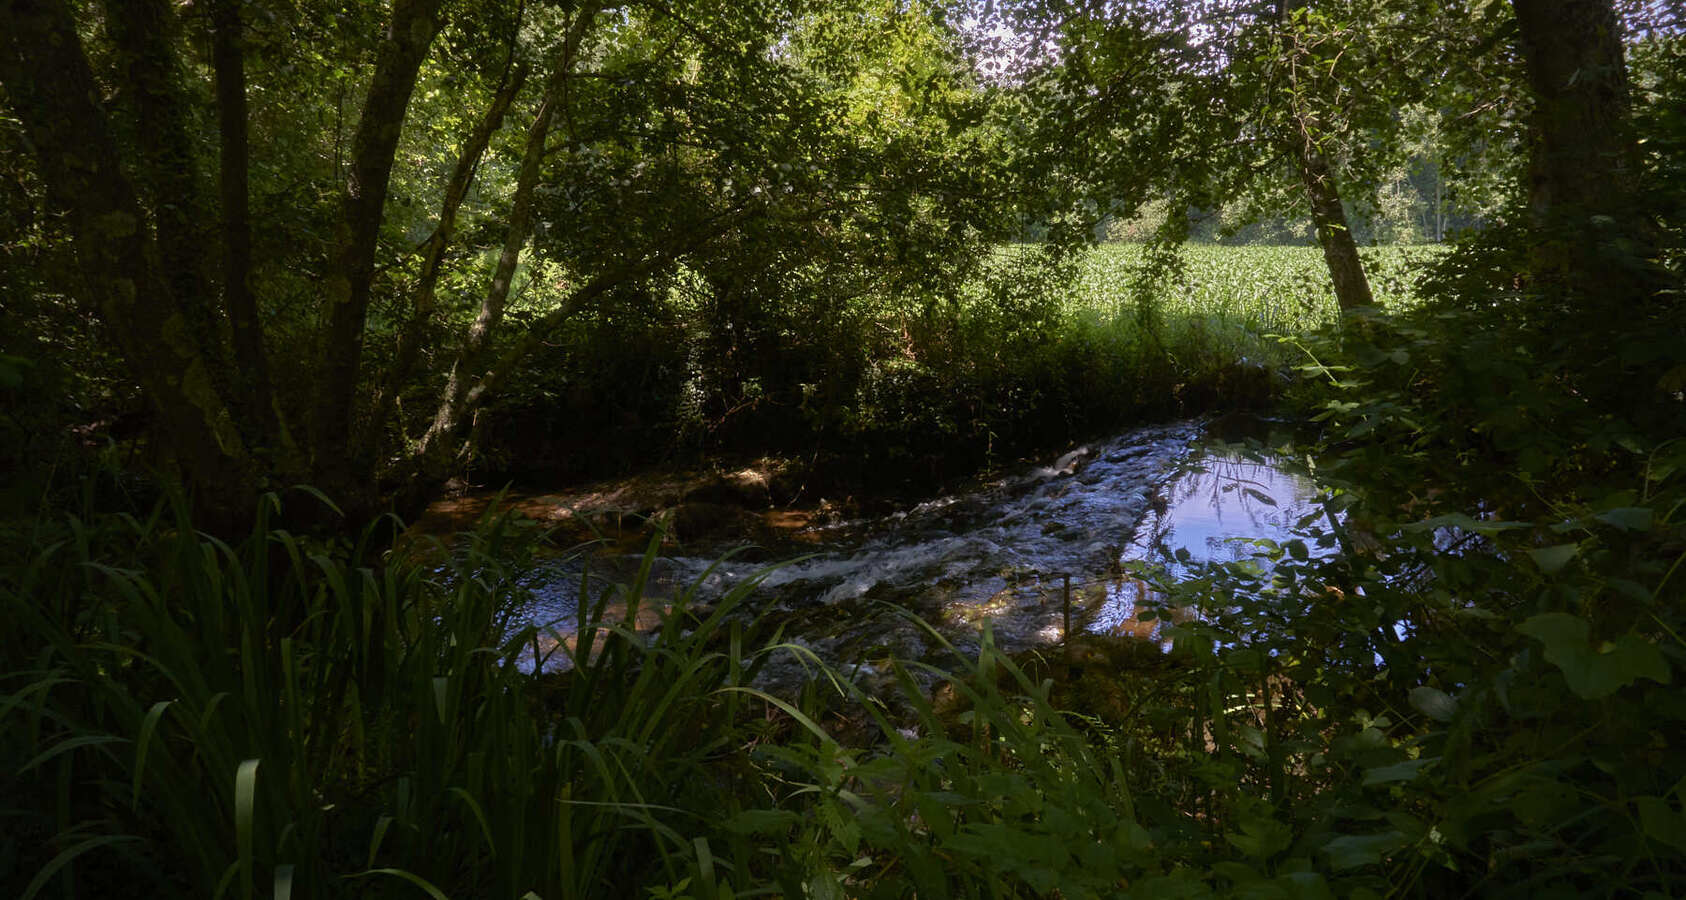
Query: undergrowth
[(1037, 349), (1460, 680)]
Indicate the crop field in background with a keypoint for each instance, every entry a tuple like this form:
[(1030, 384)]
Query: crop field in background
[(1211, 305), (1032, 353), (1263, 289)]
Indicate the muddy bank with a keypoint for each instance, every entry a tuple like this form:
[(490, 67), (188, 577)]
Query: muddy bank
[(770, 500)]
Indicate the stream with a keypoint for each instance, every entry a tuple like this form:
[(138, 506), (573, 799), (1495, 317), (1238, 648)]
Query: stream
[(1002, 553)]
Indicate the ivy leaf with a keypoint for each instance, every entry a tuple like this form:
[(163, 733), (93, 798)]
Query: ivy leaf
[(1595, 672)]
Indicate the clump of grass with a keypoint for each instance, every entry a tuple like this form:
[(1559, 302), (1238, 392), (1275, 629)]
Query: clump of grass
[(288, 717)]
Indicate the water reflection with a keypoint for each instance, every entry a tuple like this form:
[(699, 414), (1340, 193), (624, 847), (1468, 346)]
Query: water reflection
[(1220, 505)]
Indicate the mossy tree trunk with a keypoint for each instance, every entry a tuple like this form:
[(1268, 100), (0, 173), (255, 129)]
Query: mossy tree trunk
[(1583, 174)]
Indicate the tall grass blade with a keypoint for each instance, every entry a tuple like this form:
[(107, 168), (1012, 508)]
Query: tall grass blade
[(69, 744), (66, 856), (142, 744), (411, 877), (245, 803)]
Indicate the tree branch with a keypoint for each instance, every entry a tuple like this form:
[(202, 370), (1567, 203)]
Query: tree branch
[(424, 297)]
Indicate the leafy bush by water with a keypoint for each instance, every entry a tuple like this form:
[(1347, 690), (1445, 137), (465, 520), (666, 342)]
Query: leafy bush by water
[(1034, 350)]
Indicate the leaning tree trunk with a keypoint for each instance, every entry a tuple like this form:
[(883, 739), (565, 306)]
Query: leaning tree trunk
[(1304, 143), (1334, 235), (434, 450), (424, 296)]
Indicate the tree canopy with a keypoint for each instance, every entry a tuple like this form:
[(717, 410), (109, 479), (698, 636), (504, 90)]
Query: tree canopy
[(322, 237)]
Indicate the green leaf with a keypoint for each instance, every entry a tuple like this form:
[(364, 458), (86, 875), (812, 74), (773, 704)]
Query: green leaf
[(1260, 496), (245, 803), (1261, 838), (1434, 703), (12, 370), (1349, 851), (417, 880), (65, 746), (1404, 771), (64, 858), (1551, 560), (1661, 822), (1627, 518), (1595, 672), (1483, 527), (149, 725)]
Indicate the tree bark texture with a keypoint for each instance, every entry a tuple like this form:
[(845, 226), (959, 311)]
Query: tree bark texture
[(167, 169), (1304, 142), (424, 297), (1583, 160), (52, 90), (1334, 234), (414, 25), (234, 175)]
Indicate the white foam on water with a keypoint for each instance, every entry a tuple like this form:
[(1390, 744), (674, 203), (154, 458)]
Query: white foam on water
[(999, 552)]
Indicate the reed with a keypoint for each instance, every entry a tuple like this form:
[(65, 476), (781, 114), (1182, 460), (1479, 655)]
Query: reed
[(286, 717)]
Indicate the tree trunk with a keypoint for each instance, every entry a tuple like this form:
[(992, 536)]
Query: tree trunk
[(167, 168), (1340, 251), (245, 328), (424, 297), (52, 91), (471, 357), (1584, 163), (1583, 159), (1328, 216), (414, 25)]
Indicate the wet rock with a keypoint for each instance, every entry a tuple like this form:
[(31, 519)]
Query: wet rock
[(455, 488), (746, 488), (785, 485), (693, 520)]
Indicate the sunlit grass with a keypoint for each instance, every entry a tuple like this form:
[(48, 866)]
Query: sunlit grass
[(1263, 288)]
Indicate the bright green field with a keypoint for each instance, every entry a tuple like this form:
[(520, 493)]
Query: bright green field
[(1215, 306), (1264, 289)]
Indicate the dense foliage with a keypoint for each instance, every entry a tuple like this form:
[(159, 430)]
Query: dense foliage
[(367, 246)]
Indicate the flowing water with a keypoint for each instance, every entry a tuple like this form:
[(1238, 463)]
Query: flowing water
[(1003, 554)]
